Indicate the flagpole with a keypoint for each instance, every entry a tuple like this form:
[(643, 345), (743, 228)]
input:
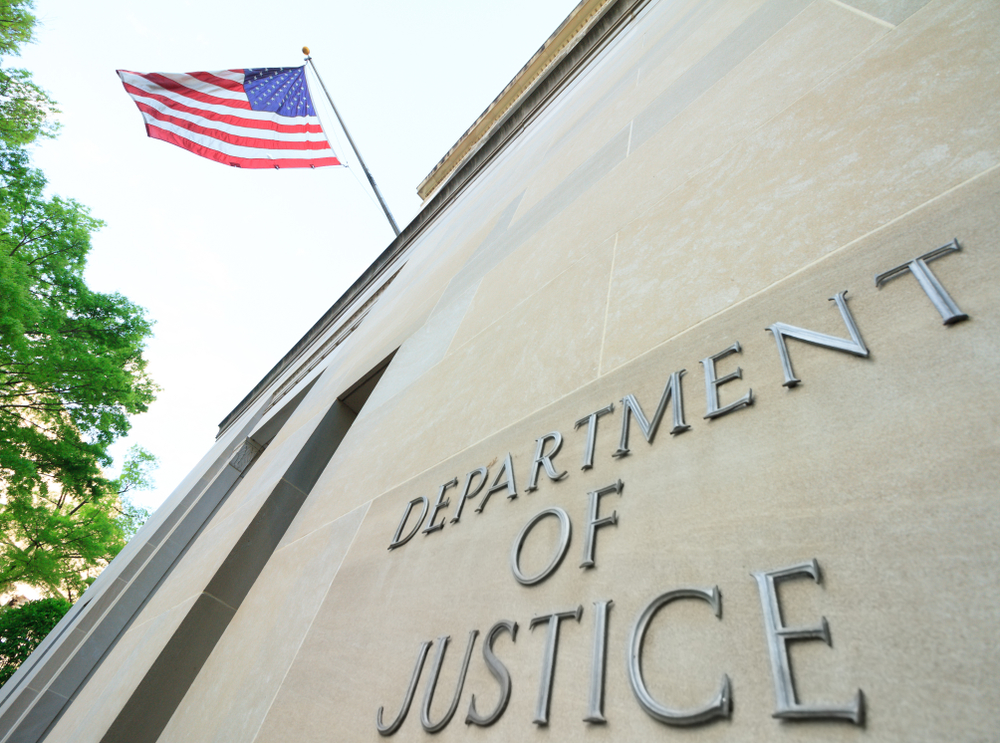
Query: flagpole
[(388, 214)]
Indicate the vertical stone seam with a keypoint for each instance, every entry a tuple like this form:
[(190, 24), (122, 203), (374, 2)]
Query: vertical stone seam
[(713, 163), (607, 304), (367, 507)]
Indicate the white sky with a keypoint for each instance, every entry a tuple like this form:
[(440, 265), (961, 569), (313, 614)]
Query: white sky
[(236, 265)]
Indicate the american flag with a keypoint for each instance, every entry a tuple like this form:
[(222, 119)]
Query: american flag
[(252, 118)]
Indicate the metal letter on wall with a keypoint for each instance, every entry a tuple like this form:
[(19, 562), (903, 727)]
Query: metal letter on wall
[(593, 522), (549, 659), (712, 384), (515, 549), (425, 710), (440, 503), (414, 677), (507, 472), (720, 706), (854, 346), (598, 662), (500, 673), (466, 493), (941, 300), (631, 407), (398, 540), (591, 421), (778, 637), (545, 460)]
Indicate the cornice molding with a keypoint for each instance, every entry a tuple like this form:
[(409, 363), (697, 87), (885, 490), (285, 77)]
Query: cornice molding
[(560, 42)]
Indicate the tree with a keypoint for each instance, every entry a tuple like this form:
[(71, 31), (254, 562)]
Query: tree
[(17, 25), (23, 627), (136, 474), (71, 364), (71, 372), (25, 109)]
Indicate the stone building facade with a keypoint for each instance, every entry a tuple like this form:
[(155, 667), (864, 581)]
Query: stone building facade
[(673, 415)]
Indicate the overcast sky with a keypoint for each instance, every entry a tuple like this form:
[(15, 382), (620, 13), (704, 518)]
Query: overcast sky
[(236, 265)]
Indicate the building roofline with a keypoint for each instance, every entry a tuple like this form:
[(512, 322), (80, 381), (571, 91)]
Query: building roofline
[(558, 43), (606, 18)]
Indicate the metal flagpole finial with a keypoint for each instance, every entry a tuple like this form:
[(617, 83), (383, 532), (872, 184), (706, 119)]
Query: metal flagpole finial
[(305, 50)]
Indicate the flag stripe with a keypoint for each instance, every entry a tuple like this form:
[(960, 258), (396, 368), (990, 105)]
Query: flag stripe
[(211, 118), (222, 82), (212, 115), (283, 149), (151, 115), (174, 86), (194, 81), (236, 75), (138, 86), (243, 162)]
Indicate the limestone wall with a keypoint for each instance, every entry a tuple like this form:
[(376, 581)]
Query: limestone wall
[(715, 169)]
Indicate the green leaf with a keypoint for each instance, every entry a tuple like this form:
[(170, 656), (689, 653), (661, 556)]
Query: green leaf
[(22, 628)]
